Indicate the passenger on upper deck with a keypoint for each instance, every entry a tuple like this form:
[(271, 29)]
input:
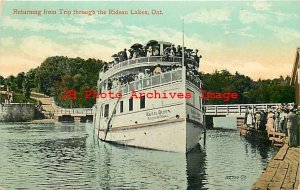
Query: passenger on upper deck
[(147, 73), (196, 58), (179, 51), (144, 52), (187, 53), (130, 53), (141, 75), (169, 50), (115, 82), (157, 70), (173, 50), (136, 54), (105, 67), (120, 57), (156, 51), (109, 84), (125, 54), (149, 52)]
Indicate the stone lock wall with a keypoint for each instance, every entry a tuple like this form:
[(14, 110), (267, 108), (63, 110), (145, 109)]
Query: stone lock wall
[(16, 112)]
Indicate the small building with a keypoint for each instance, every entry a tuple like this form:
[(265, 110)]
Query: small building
[(296, 77)]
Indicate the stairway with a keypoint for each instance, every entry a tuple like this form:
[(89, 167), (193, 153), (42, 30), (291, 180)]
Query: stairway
[(46, 103)]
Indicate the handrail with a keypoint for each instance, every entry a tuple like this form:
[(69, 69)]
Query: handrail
[(131, 63), (152, 81), (247, 104), (210, 109), (74, 111), (237, 108)]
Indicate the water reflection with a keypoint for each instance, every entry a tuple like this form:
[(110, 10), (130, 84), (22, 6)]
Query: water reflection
[(67, 156), (195, 169), (262, 148)]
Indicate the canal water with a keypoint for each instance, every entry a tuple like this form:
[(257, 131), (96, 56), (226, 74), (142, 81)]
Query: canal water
[(66, 156)]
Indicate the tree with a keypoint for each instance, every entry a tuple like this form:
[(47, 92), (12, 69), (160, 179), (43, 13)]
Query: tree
[(26, 88), (1, 80), (11, 83), (19, 80), (262, 91)]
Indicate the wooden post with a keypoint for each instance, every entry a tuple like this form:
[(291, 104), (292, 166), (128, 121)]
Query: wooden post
[(204, 122)]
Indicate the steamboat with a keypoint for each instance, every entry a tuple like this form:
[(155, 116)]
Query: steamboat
[(163, 123)]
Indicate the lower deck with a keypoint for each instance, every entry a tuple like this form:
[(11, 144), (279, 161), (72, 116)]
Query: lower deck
[(175, 135)]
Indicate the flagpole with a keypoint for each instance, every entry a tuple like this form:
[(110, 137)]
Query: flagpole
[(182, 42)]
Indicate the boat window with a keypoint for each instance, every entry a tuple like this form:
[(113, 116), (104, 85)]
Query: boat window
[(121, 106), (200, 101), (106, 110), (192, 99), (142, 102), (130, 104)]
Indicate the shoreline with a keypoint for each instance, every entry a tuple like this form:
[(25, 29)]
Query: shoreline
[(45, 121)]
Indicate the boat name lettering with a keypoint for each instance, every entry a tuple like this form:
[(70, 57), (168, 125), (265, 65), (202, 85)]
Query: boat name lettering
[(157, 114)]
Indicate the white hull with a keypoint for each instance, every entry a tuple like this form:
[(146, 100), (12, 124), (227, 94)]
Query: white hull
[(175, 136), (170, 124)]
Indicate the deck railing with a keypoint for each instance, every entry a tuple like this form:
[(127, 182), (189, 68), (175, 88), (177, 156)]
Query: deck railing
[(75, 111), (223, 110), (237, 109), (149, 82), (131, 63)]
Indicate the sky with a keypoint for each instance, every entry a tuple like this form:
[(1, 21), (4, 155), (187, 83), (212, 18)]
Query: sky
[(255, 38)]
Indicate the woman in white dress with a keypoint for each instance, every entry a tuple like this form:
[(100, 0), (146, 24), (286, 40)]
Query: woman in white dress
[(270, 121), (250, 119)]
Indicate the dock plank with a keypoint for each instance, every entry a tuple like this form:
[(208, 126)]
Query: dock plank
[(283, 171), (282, 152), (290, 178), (274, 164)]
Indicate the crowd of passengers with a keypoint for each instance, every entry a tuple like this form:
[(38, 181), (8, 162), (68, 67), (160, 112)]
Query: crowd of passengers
[(192, 75), (169, 51), (125, 79), (280, 119), (191, 62)]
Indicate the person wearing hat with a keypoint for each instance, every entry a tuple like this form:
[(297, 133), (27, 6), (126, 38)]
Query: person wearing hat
[(263, 122), (285, 130), (173, 50), (293, 127), (277, 119), (125, 56), (157, 70), (249, 119), (282, 118), (257, 119), (270, 121)]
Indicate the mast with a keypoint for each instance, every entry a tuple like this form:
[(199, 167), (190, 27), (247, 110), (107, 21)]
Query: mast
[(182, 42)]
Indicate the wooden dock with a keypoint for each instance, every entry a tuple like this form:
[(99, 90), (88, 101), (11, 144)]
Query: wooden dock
[(283, 171), (257, 135), (276, 138)]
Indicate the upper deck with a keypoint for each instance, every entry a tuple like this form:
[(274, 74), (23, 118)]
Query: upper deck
[(151, 61)]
